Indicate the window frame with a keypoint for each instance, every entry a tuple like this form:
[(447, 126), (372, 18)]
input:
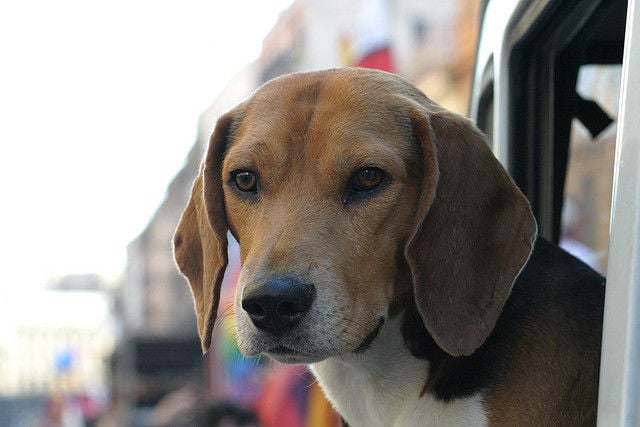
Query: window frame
[(540, 41)]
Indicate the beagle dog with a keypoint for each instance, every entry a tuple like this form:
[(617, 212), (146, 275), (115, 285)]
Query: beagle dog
[(383, 244)]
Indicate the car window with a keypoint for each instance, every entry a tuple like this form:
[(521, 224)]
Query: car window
[(589, 178)]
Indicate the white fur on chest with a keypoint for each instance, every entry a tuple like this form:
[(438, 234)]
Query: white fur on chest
[(382, 386)]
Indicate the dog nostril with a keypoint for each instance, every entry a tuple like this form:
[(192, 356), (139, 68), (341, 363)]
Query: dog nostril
[(288, 309), (254, 309)]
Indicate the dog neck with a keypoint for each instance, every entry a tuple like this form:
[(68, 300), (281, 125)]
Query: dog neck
[(383, 386)]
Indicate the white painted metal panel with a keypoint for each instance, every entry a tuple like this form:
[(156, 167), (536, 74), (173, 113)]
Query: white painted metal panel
[(619, 399)]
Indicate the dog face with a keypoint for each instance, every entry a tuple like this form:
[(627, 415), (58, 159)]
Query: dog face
[(349, 193), (320, 206)]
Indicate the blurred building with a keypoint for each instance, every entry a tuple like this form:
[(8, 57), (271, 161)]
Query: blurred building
[(56, 342), (430, 42)]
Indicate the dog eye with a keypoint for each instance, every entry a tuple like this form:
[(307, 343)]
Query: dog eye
[(245, 181), (366, 179), (365, 183)]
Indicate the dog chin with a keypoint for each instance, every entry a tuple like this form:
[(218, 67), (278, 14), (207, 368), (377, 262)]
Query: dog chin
[(285, 355), (292, 357)]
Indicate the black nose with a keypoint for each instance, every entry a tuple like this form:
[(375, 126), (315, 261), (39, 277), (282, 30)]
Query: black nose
[(279, 304)]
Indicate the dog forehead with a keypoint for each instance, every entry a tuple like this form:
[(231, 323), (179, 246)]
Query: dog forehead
[(304, 92), (335, 107)]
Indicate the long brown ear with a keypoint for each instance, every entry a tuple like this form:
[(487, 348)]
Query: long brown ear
[(473, 233), (200, 240)]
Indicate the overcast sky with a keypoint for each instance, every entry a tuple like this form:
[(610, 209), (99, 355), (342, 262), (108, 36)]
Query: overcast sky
[(99, 102)]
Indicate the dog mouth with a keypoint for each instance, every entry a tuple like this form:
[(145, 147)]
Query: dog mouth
[(292, 354), (368, 340)]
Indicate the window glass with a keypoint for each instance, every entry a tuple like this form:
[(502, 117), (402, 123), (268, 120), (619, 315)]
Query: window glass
[(587, 192)]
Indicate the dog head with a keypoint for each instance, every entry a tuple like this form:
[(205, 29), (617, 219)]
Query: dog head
[(349, 190)]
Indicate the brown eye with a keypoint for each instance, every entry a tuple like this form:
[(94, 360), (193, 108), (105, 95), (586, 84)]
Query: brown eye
[(245, 181), (366, 179), (365, 183)]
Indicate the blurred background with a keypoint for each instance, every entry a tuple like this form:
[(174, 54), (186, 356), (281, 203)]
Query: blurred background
[(105, 110)]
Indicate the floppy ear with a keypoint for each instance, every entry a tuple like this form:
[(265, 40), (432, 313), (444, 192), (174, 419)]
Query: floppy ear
[(200, 240), (473, 233)]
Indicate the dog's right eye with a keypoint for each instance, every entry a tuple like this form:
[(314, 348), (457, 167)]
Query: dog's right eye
[(365, 182), (245, 181)]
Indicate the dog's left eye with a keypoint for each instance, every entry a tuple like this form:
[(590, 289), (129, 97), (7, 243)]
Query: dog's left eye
[(363, 182), (366, 179)]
